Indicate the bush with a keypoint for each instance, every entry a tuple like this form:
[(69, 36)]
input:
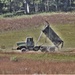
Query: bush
[(2, 47), (15, 59)]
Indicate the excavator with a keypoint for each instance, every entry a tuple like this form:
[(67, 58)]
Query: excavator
[(29, 45)]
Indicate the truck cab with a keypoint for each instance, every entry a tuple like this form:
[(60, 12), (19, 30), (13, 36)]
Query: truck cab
[(28, 44)]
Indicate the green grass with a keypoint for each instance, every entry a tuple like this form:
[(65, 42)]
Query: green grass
[(47, 56), (42, 56), (66, 32), (9, 39), (11, 15)]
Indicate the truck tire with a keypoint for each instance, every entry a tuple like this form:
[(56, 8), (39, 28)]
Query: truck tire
[(23, 49), (43, 49), (36, 48)]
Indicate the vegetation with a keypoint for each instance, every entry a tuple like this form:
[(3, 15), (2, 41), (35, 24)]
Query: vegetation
[(57, 57), (34, 6), (17, 29), (16, 36), (15, 59), (37, 63)]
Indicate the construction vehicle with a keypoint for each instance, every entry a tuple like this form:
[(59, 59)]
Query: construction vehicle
[(27, 45), (48, 31)]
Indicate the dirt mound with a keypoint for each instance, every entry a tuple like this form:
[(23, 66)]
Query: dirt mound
[(35, 21)]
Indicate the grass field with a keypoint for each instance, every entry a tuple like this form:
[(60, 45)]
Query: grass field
[(35, 63), (66, 32), (17, 29)]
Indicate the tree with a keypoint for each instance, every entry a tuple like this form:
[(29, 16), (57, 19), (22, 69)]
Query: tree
[(16, 5), (1, 7)]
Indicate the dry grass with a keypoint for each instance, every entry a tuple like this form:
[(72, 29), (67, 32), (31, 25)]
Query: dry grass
[(31, 66), (19, 23), (35, 67)]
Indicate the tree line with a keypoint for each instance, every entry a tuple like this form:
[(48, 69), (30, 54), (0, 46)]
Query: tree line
[(34, 6)]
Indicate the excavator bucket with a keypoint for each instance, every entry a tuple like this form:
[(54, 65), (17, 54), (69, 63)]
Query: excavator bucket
[(48, 31)]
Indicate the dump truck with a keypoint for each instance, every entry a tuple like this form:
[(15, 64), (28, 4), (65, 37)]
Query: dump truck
[(50, 34)]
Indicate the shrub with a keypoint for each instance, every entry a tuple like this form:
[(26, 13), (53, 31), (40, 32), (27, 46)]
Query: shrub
[(15, 59), (2, 47)]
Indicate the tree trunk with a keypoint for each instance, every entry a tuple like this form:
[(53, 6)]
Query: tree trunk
[(10, 7)]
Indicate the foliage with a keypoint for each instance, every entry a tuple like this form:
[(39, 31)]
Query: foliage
[(40, 5), (15, 59)]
